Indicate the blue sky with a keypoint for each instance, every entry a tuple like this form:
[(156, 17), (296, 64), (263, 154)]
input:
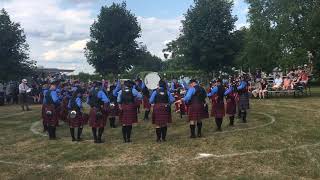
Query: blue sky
[(57, 30)]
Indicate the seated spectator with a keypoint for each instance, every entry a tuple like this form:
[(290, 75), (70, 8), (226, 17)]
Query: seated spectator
[(304, 78), (287, 84), (256, 88), (264, 89), (277, 83)]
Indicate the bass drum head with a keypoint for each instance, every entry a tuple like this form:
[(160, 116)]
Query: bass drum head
[(152, 80)]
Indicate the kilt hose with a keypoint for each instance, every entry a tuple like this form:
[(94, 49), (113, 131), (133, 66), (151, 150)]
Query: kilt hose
[(128, 114), (161, 115), (97, 122), (197, 112)]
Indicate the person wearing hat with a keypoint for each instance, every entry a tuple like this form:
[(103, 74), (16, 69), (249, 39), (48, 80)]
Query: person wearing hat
[(217, 97), (114, 107), (243, 92), (23, 96), (98, 101), (196, 99), (139, 86), (128, 109), (231, 102), (75, 117), (161, 116), (50, 104)]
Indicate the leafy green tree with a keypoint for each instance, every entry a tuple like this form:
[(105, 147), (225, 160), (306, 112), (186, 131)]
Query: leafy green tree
[(113, 47), (206, 40), (14, 58)]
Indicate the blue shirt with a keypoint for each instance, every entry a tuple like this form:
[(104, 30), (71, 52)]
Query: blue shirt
[(134, 92), (103, 97), (117, 89), (191, 91), (54, 96), (243, 85), (228, 91), (214, 90), (154, 94), (78, 102)]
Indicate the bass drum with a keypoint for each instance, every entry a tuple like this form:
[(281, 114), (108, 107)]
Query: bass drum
[(152, 80)]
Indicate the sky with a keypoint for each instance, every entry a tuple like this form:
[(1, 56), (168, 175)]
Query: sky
[(57, 30)]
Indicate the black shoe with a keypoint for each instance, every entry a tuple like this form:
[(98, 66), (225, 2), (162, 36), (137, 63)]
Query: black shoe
[(74, 140), (79, 139)]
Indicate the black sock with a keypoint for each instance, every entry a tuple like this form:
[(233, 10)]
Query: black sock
[(112, 122), (129, 130), (94, 133), (158, 133), (219, 123), (124, 133), (45, 128), (100, 132), (231, 118), (244, 116), (79, 133), (50, 132), (72, 134), (54, 132), (164, 133), (146, 115), (193, 131), (199, 126)]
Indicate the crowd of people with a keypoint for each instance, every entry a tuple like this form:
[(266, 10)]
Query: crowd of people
[(121, 101)]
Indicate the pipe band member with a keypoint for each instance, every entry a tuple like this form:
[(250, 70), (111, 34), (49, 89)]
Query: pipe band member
[(231, 107), (128, 109), (161, 116), (196, 98), (146, 103), (114, 106), (51, 103), (218, 110), (98, 115), (75, 116), (243, 99)]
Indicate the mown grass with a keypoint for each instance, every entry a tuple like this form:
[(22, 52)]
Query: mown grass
[(297, 124)]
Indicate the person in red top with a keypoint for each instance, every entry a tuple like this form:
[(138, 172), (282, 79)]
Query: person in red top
[(304, 78)]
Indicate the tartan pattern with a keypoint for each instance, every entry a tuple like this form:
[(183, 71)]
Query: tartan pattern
[(196, 112), (49, 120), (93, 122), (160, 115), (128, 115)]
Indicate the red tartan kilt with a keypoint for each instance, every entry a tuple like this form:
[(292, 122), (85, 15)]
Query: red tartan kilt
[(50, 120), (160, 115), (231, 107), (218, 110), (63, 110), (93, 122), (128, 115), (146, 104), (114, 111), (76, 122), (196, 112)]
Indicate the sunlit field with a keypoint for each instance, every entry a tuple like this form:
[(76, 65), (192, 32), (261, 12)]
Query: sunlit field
[(280, 141)]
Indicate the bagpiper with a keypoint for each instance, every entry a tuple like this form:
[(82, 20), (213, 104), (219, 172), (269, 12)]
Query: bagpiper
[(98, 102), (161, 116), (196, 99), (217, 98), (128, 109), (50, 105)]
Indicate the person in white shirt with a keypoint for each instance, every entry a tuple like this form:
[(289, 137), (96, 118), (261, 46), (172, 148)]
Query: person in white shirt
[(23, 95), (277, 83)]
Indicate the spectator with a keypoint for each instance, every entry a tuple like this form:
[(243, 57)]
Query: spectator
[(23, 96), (277, 83), (304, 78), (264, 89), (287, 84), (256, 88)]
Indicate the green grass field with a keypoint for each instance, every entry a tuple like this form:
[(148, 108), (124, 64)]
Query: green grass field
[(281, 141)]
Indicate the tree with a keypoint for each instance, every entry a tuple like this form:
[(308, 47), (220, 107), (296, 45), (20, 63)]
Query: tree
[(14, 58), (112, 46), (206, 40)]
